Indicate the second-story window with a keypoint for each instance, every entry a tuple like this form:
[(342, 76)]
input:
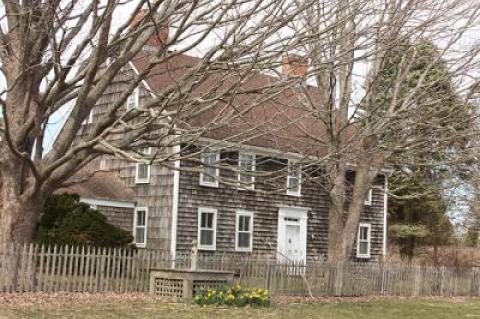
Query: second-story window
[(142, 170), (210, 172), (246, 167), (133, 99), (294, 178), (368, 199), (89, 118)]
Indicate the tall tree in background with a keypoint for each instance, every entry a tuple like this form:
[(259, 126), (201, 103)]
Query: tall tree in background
[(419, 206), (418, 213), (383, 94)]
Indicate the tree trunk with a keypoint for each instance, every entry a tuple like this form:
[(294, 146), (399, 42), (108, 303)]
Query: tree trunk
[(20, 206), (18, 219), (336, 250), (343, 225)]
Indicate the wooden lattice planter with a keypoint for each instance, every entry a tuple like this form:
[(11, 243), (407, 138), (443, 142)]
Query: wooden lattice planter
[(184, 284)]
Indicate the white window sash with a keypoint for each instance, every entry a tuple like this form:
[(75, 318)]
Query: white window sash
[(133, 99), (250, 231), (146, 179), (368, 200), (136, 226), (142, 180), (213, 211), (290, 176), (89, 118), (250, 175), (204, 182), (368, 240)]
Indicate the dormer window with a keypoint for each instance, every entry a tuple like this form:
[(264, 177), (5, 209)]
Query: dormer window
[(133, 99)]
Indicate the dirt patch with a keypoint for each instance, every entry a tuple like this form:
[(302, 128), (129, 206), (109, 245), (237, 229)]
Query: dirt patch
[(80, 298)]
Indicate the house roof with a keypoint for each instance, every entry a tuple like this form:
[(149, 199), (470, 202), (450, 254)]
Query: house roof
[(262, 113), (98, 185)]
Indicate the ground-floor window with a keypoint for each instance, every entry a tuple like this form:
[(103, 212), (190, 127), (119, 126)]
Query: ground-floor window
[(244, 231), (364, 241), (207, 228), (140, 226)]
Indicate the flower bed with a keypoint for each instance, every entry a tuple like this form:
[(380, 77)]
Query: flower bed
[(233, 296)]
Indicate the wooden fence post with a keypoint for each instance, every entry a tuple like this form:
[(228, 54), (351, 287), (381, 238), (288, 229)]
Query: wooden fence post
[(194, 256)]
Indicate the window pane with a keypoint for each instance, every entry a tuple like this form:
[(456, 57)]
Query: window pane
[(244, 240), (144, 150), (206, 220), (209, 159), (142, 171), (209, 220), (206, 237), (363, 248), (244, 223), (209, 174), (140, 218), (363, 233), (132, 99), (294, 175), (210, 171), (246, 162), (140, 235), (293, 184)]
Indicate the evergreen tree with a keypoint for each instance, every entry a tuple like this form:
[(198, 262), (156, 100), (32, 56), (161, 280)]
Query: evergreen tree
[(67, 221)]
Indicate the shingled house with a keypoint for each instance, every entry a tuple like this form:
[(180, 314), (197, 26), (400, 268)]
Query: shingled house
[(177, 207)]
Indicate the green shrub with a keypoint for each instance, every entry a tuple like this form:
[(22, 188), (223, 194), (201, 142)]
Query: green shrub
[(67, 221), (233, 296)]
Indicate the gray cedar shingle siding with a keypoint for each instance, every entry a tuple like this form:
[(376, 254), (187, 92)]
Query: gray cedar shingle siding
[(121, 217), (156, 195), (228, 199)]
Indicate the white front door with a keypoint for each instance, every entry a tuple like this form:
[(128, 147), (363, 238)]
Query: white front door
[(293, 249), (292, 234)]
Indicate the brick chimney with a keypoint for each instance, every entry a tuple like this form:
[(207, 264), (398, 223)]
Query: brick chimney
[(294, 65), (160, 36)]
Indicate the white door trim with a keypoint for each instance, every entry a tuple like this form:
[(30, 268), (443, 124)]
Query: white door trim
[(299, 216)]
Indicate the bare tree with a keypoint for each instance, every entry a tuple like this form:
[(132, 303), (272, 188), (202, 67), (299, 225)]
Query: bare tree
[(373, 103), (56, 54)]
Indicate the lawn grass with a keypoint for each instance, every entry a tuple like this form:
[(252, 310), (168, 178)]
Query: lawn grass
[(384, 309)]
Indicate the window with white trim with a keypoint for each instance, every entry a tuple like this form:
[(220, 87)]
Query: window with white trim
[(368, 199), (364, 240), (246, 166), (209, 174), (89, 118), (142, 170), (207, 228), (294, 178), (140, 226), (244, 231), (133, 99)]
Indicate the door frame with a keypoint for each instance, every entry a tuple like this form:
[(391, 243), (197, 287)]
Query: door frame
[(300, 213)]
